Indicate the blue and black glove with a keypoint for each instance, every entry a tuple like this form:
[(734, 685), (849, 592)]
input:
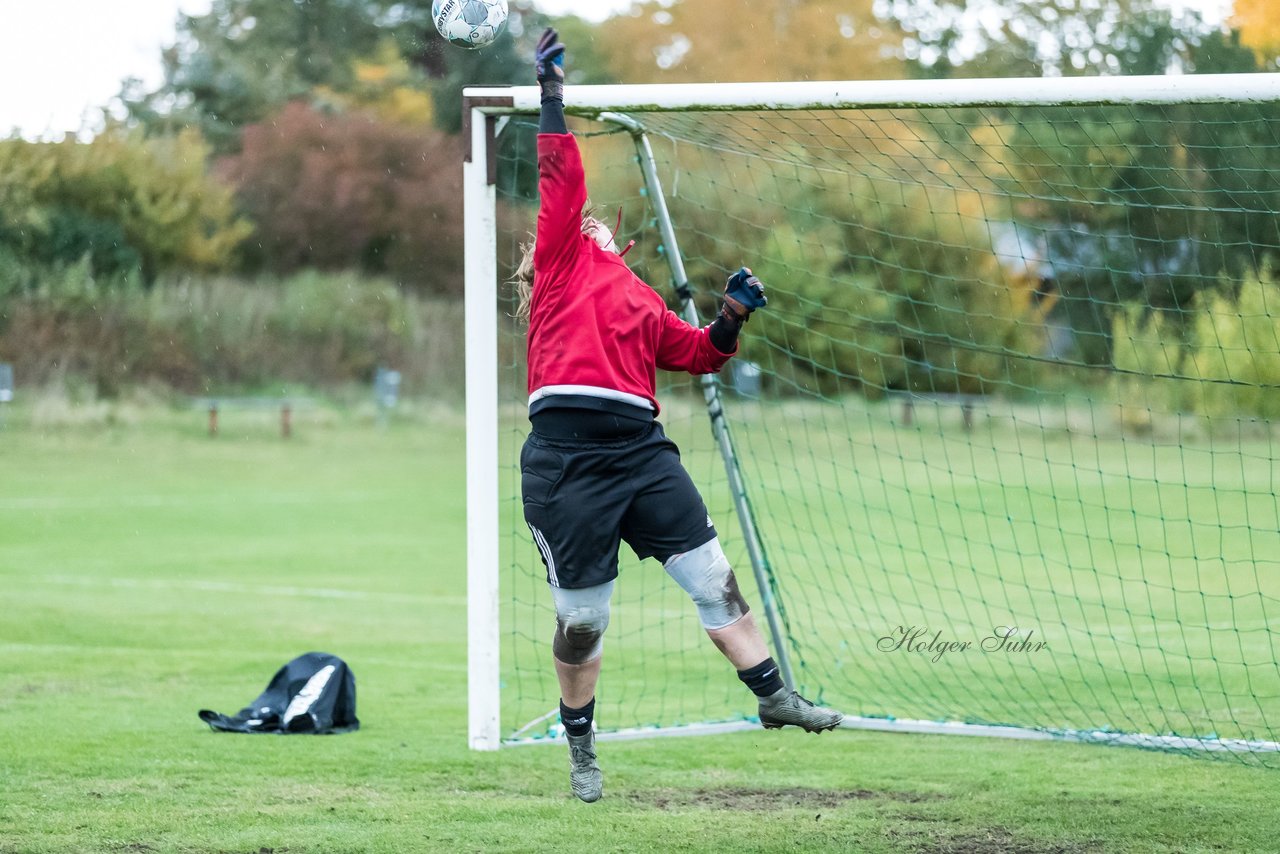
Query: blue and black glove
[(548, 62), (743, 294)]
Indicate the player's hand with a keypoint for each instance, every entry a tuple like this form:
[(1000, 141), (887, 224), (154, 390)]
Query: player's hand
[(744, 293), (548, 57)]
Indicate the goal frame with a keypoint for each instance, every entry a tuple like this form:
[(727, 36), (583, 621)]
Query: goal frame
[(485, 113)]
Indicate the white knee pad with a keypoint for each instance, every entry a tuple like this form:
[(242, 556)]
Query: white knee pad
[(582, 615), (705, 575)]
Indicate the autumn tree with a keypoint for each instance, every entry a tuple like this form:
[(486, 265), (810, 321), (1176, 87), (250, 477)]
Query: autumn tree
[(1142, 205), (721, 41), (349, 191), (126, 202), (384, 85), (1259, 28), (245, 59)]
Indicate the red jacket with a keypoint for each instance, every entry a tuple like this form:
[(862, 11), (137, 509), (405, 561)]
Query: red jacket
[(596, 329)]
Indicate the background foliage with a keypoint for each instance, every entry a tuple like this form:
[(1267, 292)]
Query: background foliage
[(323, 135), (127, 202), (219, 335), (344, 190)]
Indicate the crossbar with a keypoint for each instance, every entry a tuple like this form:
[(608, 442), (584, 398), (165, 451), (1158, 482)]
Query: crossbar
[(877, 94)]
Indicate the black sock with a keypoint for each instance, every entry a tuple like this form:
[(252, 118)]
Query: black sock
[(763, 679), (577, 721)]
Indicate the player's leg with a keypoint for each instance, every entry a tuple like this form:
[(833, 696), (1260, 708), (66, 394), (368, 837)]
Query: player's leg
[(668, 520), (582, 615), (705, 575), (581, 562)]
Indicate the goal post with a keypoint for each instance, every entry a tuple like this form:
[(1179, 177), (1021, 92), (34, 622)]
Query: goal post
[(481, 335), (1084, 263)]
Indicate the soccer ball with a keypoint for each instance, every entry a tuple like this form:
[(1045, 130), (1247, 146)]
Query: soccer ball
[(469, 23)]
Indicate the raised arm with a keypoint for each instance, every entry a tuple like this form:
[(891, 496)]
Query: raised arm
[(562, 184)]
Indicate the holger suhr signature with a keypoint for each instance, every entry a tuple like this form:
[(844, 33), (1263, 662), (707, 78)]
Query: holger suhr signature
[(919, 640)]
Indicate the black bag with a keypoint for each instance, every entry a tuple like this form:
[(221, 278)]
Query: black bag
[(314, 693)]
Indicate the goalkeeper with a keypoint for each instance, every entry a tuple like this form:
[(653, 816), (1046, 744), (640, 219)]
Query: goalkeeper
[(597, 467)]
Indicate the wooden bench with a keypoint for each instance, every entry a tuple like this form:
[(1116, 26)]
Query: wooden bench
[(966, 402), (286, 405)]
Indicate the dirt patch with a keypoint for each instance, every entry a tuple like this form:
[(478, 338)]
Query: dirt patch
[(34, 688), (992, 840), (754, 800)]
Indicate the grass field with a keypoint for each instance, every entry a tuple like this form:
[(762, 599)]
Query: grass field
[(150, 571)]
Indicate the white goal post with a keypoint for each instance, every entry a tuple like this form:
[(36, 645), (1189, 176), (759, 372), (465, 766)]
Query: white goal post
[(487, 112)]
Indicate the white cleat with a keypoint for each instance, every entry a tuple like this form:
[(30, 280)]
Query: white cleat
[(788, 708), (584, 774)]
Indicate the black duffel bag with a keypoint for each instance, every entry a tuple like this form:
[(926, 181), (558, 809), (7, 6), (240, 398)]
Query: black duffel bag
[(315, 693)]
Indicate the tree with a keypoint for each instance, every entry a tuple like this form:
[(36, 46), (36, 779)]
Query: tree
[(1259, 27), (349, 191), (245, 58), (718, 41), (125, 201), (384, 85), (1044, 38), (1144, 206)]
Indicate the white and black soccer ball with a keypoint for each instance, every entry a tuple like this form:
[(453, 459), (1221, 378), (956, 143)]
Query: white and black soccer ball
[(469, 23)]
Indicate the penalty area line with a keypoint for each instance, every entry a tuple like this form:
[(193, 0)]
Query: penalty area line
[(237, 588), (178, 501)]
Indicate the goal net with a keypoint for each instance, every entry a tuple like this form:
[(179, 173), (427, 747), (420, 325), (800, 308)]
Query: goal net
[(1006, 432)]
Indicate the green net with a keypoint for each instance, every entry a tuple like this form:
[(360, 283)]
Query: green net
[(1007, 424)]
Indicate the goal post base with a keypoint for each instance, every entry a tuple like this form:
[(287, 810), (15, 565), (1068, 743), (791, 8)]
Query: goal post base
[(1150, 741), (635, 733)]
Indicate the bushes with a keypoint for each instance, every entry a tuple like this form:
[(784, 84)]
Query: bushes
[(883, 299), (198, 335), (1238, 348), (345, 191), (1221, 358), (127, 202)]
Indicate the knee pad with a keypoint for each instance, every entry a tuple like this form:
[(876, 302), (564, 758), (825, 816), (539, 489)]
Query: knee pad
[(705, 575), (581, 617)]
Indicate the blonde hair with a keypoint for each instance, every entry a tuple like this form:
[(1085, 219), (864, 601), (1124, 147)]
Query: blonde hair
[(522, 278)]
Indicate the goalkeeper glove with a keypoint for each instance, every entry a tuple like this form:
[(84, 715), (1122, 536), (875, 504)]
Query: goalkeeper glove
[(548, 62), (743, 294)]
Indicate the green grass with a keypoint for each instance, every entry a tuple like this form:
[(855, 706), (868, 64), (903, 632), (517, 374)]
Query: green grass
[(150, 571)]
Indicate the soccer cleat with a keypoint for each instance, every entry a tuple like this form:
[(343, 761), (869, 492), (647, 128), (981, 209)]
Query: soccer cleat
[(788, 708), (584, 774)]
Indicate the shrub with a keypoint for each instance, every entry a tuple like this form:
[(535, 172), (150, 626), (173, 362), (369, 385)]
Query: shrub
[(125, 201), (1221, 358), (198, 335), (1238, 348), (352, 191)]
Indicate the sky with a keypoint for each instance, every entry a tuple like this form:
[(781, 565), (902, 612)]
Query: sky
[(63, 60)]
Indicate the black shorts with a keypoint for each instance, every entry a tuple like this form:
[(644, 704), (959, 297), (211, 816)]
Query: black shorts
[(582, 498)]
